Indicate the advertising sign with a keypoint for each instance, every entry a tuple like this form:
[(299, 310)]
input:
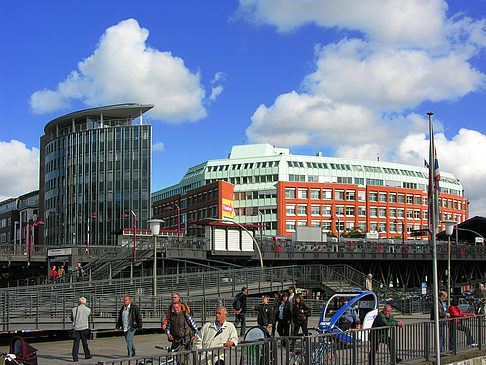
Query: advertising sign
[(227, 209)]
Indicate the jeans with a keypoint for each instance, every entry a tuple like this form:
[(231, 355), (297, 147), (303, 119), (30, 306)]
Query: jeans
[(83, 336), (453, 335), (129, 339), (442, 337)]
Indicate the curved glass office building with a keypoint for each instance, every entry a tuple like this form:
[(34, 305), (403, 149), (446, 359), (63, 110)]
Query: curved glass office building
[(95, 165)]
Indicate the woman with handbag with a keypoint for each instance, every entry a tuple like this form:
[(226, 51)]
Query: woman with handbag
[(300, 314)]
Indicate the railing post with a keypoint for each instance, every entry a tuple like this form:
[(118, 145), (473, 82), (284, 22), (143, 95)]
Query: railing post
[(308, 351), (427, 340), (393, 350), (480, 332)]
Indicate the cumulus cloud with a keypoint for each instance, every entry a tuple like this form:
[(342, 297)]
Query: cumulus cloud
[(360, 97), (123, 68), (463, 155), (19, 169), (158, 146)]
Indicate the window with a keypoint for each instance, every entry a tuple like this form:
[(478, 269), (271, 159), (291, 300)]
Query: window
[(326, 226), (409, 213), (303, 194), (373, 196), (393, 227), (362, 211), (349, 226), (350, 195), (382, 197), (315, 194), (425, 215), (393, 212), (400, 213), (326, 210), (315, 223), (409, 199), (392, 198), (302, 209), (416, 214), (373, 226), (290, 226), (417, 199), (340, 210), (382, 212), (326, 194), (359, 181), (374, 212), (362, 226), (349, 211), (339, 195), (301, 223), (361, 196), (316, 210), (290, 209), (424, 201), (401, 198), (289, 193), (382, 226)]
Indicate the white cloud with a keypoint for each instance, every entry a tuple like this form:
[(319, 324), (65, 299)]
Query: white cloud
[(463, 155), (215, 91), (408, 22), (360, 97), (158, 146), (356, 71), (19, 169), (123, 68)]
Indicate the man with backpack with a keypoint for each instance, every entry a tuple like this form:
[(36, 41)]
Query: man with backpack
[(176, 298), (181, 329), (239, 305)]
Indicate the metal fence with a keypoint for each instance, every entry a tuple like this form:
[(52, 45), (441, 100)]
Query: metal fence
[(385, 345)]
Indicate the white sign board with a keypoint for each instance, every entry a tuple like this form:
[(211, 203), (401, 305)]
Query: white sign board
[(59, 251)]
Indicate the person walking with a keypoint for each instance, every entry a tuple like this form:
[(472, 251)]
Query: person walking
[(54, 275), (481, 295), (80, 318), (457, 325), (130, 320), (176, 298), (383, 319), (265, 311), (239, 305), (300, 313), (60, 274), (369, 282), (79, 273), (443, 314), (218, 333), (181, 329), (284, 317)]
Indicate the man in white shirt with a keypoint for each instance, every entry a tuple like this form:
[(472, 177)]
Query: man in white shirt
[(80, 318), (219, 333)]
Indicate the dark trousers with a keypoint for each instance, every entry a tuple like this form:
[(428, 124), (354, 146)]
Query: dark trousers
[(297, 326), (283, 329), (241, 318), (453, 335), (83, 336), (375, 339)]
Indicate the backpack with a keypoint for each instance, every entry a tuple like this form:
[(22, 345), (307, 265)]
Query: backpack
[(237, 302)]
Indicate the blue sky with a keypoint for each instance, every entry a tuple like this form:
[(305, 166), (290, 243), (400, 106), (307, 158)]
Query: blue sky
[(347, 78)]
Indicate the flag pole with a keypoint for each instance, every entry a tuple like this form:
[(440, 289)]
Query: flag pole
[(432, 231)]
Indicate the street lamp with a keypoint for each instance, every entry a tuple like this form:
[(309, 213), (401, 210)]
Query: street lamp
[(449, 228), (253, 238), (125, 215), (87, 233), (155, 228), (178, 217), (403, 229)]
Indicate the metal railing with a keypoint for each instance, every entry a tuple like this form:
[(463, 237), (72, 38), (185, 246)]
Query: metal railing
[(384, 345)]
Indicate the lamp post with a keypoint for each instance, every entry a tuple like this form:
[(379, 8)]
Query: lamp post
[(125, 215), (178, 217), (155, 228), (449, 228), (252, 237), (403, 228), (87, 233)]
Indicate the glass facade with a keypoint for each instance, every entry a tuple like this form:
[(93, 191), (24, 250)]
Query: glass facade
[(95, 170)]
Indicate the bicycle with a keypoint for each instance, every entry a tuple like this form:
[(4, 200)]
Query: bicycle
[(9, 359), (172, 357), (323, 351)]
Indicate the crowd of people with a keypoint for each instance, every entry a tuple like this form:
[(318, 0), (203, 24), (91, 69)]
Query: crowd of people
[(183, 333), (58, 274)]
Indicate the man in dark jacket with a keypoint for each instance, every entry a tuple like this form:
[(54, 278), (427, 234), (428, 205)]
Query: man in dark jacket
[(383, 319), (240, 313), (443, 314), (264, 310), (130, 320)]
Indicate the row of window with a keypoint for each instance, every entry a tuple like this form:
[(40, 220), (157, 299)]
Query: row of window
[(239, 166)]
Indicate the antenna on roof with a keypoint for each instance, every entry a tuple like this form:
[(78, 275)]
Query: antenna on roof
[(377, 157)]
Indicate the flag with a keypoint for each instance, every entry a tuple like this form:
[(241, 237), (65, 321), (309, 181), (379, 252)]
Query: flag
[(434, 177)]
